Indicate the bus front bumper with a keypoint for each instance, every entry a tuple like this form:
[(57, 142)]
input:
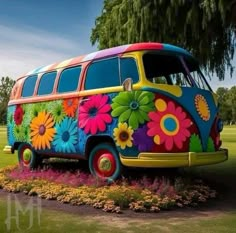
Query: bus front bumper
[(165, 160), (8, 150)]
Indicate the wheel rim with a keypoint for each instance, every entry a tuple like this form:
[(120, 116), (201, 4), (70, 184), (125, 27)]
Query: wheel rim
[(104, 163), (26, 155)]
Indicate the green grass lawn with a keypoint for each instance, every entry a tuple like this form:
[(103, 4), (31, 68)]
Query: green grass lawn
[(5, 159), (52, 221)]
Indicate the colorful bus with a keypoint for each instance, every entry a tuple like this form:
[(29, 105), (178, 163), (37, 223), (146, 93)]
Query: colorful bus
[(136, 105)]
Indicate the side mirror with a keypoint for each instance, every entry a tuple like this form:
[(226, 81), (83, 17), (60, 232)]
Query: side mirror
[(128, 84)]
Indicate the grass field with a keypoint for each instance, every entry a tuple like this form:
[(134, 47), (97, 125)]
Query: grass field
[(52, 221)]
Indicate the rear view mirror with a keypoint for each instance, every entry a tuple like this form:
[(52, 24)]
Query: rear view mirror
[(128, 84)]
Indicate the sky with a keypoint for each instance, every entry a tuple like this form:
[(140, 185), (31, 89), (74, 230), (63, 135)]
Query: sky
[(37, 33)]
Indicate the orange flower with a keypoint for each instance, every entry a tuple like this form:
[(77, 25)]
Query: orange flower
[(70, 106), (42, 131)]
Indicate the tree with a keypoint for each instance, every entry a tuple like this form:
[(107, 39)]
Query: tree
[(227, 103), (6, 85), (207, 28), (225, 110), (232, 98)]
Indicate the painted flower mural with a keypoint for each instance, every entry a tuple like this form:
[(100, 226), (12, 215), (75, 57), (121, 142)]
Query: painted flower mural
[(37, 108), (142, 140), (133, 107), (94, 114), (123, 135), (18, 133), (202, 107), (66, 136), (168, 125), (70, 106), (57, 111), (18, 115), (42, 131)]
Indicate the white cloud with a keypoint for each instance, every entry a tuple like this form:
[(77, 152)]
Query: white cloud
[(23, 49)]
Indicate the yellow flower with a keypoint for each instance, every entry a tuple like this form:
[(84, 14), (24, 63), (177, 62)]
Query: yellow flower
[(42, 131), (123, 135)]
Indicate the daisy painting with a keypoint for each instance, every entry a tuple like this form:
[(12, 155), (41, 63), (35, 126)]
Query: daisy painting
[(94, 114), (66, 136), (168, 125)]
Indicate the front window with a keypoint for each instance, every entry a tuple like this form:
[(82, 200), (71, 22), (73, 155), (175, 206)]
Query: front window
[(196, 74), (162, 68), (165, 69)]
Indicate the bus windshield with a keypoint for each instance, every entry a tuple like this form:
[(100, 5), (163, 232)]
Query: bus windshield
[(173, 70)]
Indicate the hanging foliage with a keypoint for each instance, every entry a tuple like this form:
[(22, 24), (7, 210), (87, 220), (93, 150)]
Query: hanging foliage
[(205, 27)]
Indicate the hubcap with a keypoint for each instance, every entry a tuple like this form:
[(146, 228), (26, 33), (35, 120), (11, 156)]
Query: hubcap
[(27, 154), (104, 163)]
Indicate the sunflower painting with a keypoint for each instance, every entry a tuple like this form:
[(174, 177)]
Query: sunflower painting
[(42, 131), (123, 135)]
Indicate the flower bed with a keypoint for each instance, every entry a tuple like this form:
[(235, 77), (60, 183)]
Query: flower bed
[(77, 188)]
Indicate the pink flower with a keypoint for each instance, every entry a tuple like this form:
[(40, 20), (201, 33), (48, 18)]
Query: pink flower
[(94, 114), (168, 125), (18, 115)]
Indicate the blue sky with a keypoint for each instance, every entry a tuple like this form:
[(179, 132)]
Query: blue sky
[(36, 33)]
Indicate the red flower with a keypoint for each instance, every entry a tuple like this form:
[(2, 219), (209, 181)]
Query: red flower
[(18, 115)]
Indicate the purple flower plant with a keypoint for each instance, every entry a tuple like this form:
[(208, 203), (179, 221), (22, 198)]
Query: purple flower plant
[(74, 179)]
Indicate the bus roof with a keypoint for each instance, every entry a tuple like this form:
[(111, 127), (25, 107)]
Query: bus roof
[(109, 52)]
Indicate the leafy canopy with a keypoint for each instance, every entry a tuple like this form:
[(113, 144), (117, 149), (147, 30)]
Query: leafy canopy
[(6, 85), (207, 28)]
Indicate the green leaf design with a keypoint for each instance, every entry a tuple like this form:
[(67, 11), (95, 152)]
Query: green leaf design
[(144, 100), (137, 94), (124, 116), (210, 145), (119, 110), (133, 121), (195, 144), (144, 115)]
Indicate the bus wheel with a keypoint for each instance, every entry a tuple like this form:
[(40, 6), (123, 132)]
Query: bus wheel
[(27, 156), (104, 162)]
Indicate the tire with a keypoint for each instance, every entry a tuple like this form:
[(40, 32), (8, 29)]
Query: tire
[(27, 156), (104, 162)]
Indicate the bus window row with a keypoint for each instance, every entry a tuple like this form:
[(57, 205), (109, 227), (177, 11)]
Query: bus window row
[(100, 74)]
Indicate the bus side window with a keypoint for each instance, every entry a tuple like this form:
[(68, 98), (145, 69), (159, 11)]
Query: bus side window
[(128, 69), (103, 73), (46, 83), (69, 79), (28, 86)]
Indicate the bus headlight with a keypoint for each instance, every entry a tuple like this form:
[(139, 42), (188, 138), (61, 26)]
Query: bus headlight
[(220, 125)]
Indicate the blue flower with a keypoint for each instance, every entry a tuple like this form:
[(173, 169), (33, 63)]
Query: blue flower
[(66, 136)]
